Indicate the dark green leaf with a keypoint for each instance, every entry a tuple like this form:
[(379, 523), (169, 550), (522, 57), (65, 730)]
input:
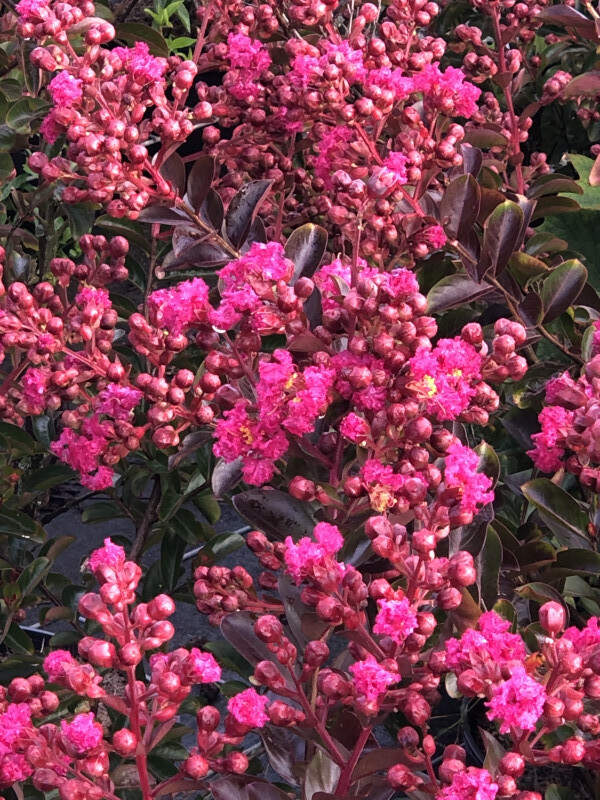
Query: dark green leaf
[(32, 575), (101, 511), (15, 523), (15, 438), (171, 553), (41, 479), (562, 288), (132, 32), (20, 115), (559, 511), (576, 561), (489, 562)]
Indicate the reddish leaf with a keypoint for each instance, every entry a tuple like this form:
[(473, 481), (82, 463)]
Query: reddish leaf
[(199, 180)]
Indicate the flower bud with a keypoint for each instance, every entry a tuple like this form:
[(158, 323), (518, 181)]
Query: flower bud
[(125, 742), (552, 617)]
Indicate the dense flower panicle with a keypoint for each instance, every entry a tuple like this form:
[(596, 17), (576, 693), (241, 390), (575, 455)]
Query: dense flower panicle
[(332, 150), (32, 10), (83, 733), (202, 667), (446, 376), (55, 663), (237, 435), (517, 702), (65, 90), (371, 681), (14, 722), (144, 67), (395, 618), (556, 423), (461, 473), (180, 306), (306, 558), (471, 784), (448, 91), (248, 708), (585, 637), (82, 453), (118, 401), (491, 641), (109, 555), (35, 387)]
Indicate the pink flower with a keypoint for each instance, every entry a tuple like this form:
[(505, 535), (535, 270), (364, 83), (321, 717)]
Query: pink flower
[(371, 681), (83, 734), (13, 722), (239, 436), (118, 401), (14, 768), (382, 484), (461, 473), (448, 91), (355, 428), (247, 54), (201, 667), (307, 559), (249, 59), (396, 164), (556, 423), (56, 662), (99, 480), (180, 306), (92, 300), (248, 709), (35, 387), (248, 284), (50, 129), (33, 11), (446, 377), (586, 637), (490, 642), (472, 784), (435, 236), (517, 702), (333, 149), (391, 80), (65, 90), (395, 618), (143, 67), (110, 555)]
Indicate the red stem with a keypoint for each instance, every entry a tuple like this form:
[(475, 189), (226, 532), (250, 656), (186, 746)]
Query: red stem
[(346, 775)]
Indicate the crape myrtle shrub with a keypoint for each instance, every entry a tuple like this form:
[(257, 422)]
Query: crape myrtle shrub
[(334, 262)]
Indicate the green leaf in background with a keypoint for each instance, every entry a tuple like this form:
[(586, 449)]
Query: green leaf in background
[(562, 288), (15, 523), (132, 32), (589, 197), (563, 515), (41, 479)]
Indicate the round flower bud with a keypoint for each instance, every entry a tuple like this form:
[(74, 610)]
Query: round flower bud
[(552, 617), (196, 766), (125, 742)]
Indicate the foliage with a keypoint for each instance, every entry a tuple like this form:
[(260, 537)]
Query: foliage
[(334, 264)]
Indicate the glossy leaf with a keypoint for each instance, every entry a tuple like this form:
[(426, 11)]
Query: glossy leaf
[(579, 562), (202, 255), (16, 523), (226, 476), (173, 171), (132, 32), (40, 480), (274, 512), (165, 215), (453, 291), (322, 775), (243, 208), (500, 237), (566, 17), (562, 288), (489, 562), (459, 208), (32, 575), (200, 180), (305, 247), (559, 511)]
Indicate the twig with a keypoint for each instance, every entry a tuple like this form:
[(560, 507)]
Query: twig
[(146, 523)]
